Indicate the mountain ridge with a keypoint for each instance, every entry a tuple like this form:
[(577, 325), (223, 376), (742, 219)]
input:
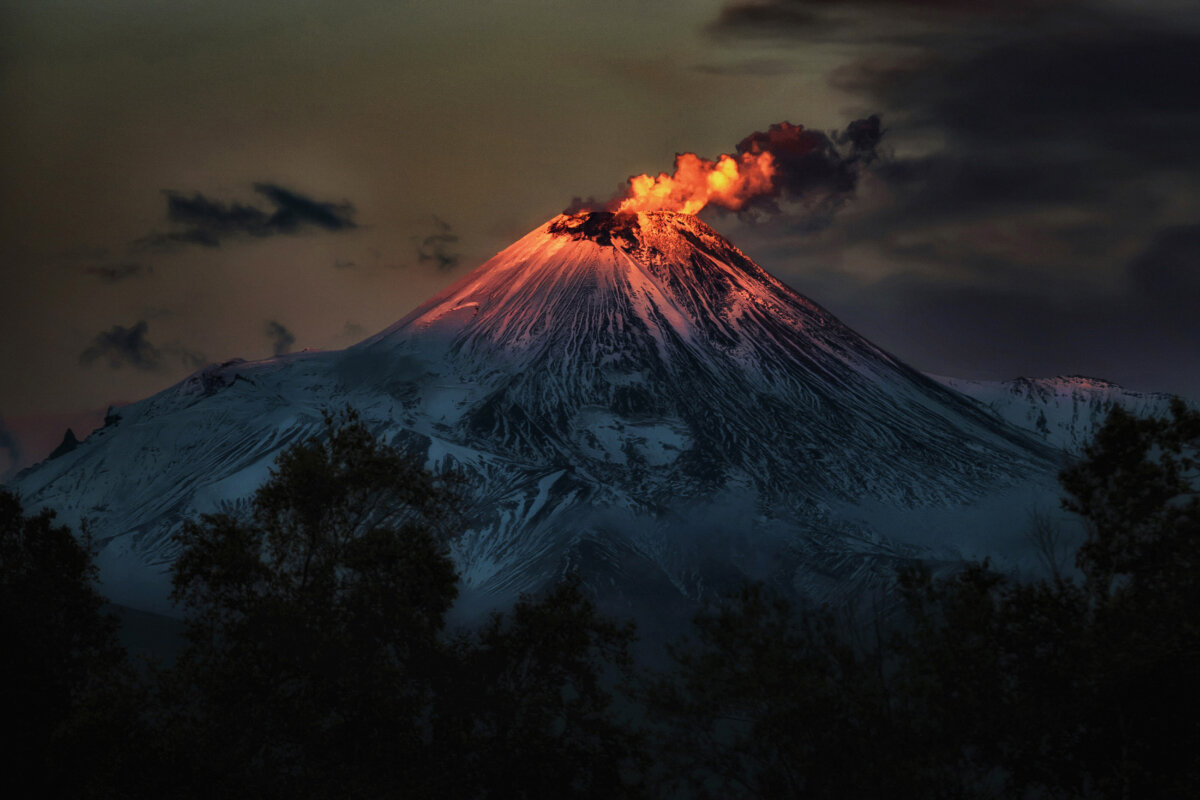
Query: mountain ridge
[(1063, 411)]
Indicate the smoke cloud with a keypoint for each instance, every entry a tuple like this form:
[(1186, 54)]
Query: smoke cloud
[(281, 338), (436, 248), (120, 347), (768, 169)]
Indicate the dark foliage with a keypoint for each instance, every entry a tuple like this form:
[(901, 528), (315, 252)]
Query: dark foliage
[(767, 702), (533, 712), (314, 622), (985, 686), (317, 663), (68, 694), (1138, 489)]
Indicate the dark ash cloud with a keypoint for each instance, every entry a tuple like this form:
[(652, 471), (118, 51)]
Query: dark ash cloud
[(1098, 126), (784, 18), (812, 175), (1041, 214), (120, 347), (116, 273), (438, 247), (281, 338), (206, 222), (812, 168)]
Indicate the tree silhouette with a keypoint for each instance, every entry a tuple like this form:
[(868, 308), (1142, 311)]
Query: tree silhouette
[(768, 701), (986, 686), (1138, 489), (313, 623), (533, 712), (70, 706)]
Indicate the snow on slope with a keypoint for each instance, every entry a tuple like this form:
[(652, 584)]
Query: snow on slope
[(629, 396), (1064, 411)]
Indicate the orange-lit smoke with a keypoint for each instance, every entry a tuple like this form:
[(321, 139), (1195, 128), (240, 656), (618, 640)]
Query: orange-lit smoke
[(783, 168), (730, 182)]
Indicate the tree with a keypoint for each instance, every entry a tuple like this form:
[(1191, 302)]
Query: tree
[(1077, 689), (1138, 490), (769, 702), (313, 623), (987, 686), (68, 693), (533, 713), (990, 680)]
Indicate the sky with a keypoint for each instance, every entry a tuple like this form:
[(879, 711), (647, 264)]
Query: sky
[(190, 182)]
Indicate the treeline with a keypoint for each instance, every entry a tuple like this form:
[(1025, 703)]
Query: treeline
[(318, 663)]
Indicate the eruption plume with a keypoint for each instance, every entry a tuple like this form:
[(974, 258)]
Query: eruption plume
[(785, 162), (729, 182)]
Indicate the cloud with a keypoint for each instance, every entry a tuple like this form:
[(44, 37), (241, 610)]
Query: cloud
[(437, 247), (778, 18), (851, 18), (353, 330), (293, 210), (1165, 280), (281, 338), (819, 171), (120, 347), (192, 359), (1036, 208), (1048, 109), (1098, 126), (115, 273), (200, 220)]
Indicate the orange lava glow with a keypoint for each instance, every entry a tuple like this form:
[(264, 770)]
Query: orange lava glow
[(730, 182)]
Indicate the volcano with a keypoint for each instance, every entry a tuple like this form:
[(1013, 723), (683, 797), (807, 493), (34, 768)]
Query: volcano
[(630, 396)]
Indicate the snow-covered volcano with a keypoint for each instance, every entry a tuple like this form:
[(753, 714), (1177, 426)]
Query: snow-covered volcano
[(629, 395), (605, 340)]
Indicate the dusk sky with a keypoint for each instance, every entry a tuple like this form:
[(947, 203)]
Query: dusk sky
[(191, 182)]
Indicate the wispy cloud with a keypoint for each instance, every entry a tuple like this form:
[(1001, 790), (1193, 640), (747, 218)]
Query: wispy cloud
[(438, 247), (281, 338), (116, 273), (121, 346), (200, 220)]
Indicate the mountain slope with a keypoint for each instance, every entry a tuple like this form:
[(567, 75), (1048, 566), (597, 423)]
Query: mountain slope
[(1063, 411), (629, 396)]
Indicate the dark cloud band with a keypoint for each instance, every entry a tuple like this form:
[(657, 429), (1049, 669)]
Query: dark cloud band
[(200, 220)]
